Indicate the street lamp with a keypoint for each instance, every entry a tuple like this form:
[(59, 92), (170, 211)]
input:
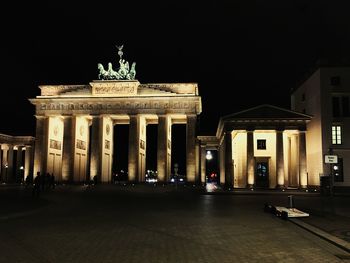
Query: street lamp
[(6, 166), (209, 156), (21, 174)]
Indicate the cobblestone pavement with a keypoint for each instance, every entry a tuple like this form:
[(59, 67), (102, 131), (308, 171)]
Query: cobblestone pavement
[(145, 224)]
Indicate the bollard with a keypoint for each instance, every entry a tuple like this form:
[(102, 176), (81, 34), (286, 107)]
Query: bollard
[(290, 200)]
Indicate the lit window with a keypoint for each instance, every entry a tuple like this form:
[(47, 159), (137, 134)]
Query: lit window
[(336, 134), (261, 144)]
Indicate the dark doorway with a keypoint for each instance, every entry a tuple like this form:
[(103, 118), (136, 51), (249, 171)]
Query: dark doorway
[(151, 175), (262, 174), (151, 149), (120, 152), (178, 148)]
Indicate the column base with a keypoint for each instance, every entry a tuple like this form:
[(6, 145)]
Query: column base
[(250, 186)]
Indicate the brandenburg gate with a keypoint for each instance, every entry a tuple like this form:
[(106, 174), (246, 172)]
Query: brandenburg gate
[(64, 114)]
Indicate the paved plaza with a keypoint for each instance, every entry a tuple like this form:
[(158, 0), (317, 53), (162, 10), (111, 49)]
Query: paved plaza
[(116, 223)]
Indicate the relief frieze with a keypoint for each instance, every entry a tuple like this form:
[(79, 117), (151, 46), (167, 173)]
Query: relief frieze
[(116, 106)]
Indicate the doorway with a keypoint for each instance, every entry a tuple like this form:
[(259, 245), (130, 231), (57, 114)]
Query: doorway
[(262, 172)]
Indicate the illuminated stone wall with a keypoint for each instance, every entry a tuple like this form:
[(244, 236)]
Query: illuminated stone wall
[(54, 146), (65, 112), (81, 145), (239, 156)]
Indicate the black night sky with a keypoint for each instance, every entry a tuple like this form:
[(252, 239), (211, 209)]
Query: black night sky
[(241, 53)]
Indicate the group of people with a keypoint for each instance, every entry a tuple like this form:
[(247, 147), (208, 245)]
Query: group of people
[(42, 182)]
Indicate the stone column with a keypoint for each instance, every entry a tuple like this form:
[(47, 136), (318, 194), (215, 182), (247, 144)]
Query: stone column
[(28, 159), (294, 166), (203, 164), (134, 138), (250, 159), (10, 175), (41, 143), (279, 159), (4, 165), (96, 147), (164, 148), (222, 163), (191, 149), (68, 148), (19, 171), (197, 161), (302, 160), (228, 160), (0, 163)]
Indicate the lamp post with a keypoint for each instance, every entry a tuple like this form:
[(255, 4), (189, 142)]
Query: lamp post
[(21, 174), (6, 168), (208, 157)]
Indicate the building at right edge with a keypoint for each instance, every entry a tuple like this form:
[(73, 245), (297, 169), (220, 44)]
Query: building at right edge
[(325, 96)]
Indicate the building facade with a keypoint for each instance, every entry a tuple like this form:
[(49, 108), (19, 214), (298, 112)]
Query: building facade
[(262, 147), (16, 157), (74, 127), (325, 95)]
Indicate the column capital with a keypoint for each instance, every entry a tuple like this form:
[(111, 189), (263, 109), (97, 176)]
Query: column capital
[(41, 116)]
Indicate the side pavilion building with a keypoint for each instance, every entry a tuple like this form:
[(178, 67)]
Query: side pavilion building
[(261, 147)]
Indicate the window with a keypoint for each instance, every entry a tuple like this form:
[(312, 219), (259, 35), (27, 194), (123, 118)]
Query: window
[(338, 171), (345, 106), (336, 106), (261, 144), (336, 134), (335, 81)]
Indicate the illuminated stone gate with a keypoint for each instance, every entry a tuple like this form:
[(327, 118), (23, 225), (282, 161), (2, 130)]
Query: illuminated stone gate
[(65, 112)]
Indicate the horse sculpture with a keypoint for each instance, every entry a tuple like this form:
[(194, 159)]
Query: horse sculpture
[(103, 74), (111, 73), (132, 73), (123, 73)]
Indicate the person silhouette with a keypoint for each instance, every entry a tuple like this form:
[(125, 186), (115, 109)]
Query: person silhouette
[(37, 184)]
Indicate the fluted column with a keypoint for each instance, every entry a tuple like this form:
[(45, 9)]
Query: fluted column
[(222, 163), (279, 159), (28, 162), (203, 164), (164, 148), (10, 175), (0, 163), (294, 166), (228, 160), (68, 148), (191, 149), (250, 159), (302, 160), (41, 144), (134, 138), (96, 147)]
